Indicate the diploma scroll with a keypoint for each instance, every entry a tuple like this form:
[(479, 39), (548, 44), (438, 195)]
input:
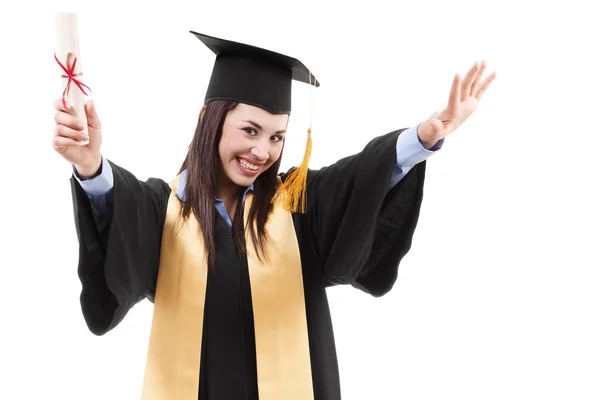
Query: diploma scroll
[(68, 57)]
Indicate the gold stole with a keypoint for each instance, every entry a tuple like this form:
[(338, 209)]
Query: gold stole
[(282, 349)]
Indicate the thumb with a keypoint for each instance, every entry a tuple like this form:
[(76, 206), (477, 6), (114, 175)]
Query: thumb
[(92, 116)]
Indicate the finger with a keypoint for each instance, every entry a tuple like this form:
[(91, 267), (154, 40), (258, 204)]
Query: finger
[(92, 116), (61, 144), (58, 105), (66, 132), (485, 84), (475, 85), (63, 118), (468, 82), (454, 99)]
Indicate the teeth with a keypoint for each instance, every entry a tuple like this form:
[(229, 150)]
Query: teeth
[(247, 165)]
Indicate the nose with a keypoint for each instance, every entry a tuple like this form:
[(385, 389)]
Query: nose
[(261, 151)]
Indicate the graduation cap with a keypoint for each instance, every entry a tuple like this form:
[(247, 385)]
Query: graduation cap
[(262, 78)]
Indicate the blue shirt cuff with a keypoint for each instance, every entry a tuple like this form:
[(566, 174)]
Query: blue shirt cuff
[(410, 150), (100, 184)]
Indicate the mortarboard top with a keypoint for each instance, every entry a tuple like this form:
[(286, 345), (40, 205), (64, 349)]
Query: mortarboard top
[(252, 75)]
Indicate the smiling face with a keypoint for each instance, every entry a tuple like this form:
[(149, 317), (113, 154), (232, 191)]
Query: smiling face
[(251, 142)]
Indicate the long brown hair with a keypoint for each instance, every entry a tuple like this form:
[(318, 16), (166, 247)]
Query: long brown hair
[(202, 162)]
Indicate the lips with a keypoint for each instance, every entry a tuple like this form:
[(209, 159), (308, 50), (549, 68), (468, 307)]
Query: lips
[(249, 164), (248, 168)]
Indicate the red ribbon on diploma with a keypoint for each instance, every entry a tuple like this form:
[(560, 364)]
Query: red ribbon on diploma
[(70, 73)]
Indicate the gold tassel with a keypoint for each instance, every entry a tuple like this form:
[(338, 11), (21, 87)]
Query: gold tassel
[(293, 190)]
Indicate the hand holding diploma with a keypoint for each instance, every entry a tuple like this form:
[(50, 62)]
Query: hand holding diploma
[(69, 133), (68, 59), (77, 136)]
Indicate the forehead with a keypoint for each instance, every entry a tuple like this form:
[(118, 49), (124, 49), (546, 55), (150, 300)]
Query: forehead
[(246, 112)]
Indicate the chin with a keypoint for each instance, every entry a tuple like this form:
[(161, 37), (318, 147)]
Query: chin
[(240, 179), (243, 181)]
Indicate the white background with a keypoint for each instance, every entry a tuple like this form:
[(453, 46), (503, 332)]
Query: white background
[(499, 296)]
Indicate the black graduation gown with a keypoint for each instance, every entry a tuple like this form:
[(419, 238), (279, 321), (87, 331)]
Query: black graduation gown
[(355, 231)]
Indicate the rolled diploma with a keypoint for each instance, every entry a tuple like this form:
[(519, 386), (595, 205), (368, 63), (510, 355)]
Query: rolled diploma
[(67, 48)]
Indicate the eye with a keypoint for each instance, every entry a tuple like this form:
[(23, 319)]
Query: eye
[(277, 138), (250, 131)]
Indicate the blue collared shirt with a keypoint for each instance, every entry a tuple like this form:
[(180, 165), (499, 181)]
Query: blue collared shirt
[(180, 193)]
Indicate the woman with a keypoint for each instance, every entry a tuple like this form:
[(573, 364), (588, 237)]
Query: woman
[(238, 273)]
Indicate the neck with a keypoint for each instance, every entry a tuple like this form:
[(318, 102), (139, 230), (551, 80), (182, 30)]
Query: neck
[(228, 192)]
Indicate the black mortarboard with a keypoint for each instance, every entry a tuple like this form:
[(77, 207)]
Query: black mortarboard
[(252, 75)]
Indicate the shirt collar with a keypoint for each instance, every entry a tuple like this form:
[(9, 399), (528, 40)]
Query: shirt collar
[(180, 193)]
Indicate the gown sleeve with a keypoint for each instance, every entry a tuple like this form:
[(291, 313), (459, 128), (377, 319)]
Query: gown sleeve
[(118, 251), (360, 227)]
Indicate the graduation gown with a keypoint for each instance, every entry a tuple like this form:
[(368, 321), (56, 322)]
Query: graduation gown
[(355, 232)]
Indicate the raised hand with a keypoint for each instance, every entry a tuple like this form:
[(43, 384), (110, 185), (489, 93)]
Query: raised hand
[(69, 135), (465, 95)]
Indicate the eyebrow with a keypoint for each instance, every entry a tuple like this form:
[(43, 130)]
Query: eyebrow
[(260, 128)]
